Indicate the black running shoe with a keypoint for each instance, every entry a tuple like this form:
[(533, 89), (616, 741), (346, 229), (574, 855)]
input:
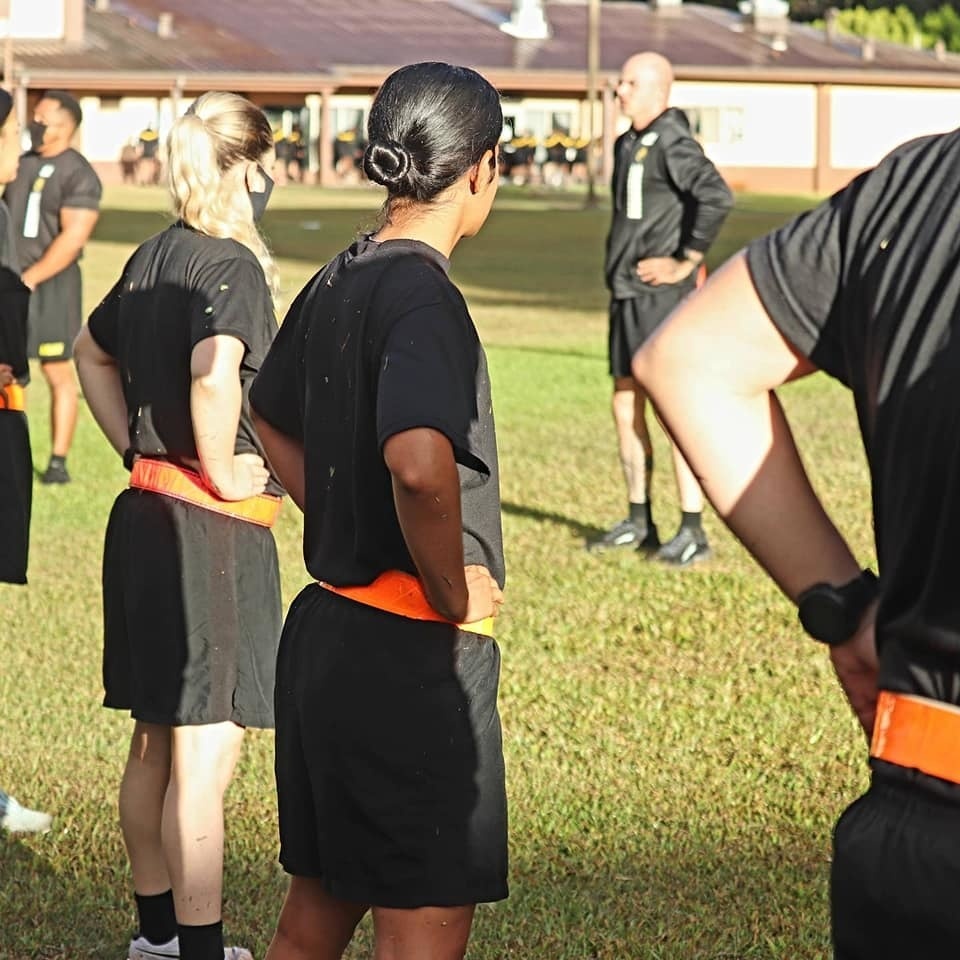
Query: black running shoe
[(688, 546), (55, 473), (626, 534)]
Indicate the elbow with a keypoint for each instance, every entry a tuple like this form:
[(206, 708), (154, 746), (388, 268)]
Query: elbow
[(414, 479)]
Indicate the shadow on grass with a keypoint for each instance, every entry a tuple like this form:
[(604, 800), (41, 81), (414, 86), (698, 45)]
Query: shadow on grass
[(577, 527), (696, 900), (545, 351)]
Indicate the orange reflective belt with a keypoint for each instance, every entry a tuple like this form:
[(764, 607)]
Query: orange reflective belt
[(916, 732), (12, 397), (160, 476), (402, 593)]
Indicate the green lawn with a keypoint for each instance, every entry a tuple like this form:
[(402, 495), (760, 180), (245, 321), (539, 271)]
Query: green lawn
[(677, 752)]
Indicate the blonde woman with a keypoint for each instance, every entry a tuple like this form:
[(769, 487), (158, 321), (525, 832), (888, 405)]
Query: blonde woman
[(190, 583)]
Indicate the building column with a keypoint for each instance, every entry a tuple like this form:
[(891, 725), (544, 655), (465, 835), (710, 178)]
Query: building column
[(824, 147), (326, 170), (609, 131)]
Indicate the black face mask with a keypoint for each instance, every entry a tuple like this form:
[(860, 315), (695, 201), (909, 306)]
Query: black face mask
[(37, 131), (259, 200)]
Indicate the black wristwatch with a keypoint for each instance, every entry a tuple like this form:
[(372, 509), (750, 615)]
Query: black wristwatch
[(832, 614)]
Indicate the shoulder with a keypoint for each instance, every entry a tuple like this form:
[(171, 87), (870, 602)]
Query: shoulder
[(673, 127), (410, 280), (77, 169)]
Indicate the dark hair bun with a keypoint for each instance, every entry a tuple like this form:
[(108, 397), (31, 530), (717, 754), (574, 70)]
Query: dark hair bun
[(386, 162)]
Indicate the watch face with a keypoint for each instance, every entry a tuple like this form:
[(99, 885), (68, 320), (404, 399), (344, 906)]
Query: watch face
[(823, 616)]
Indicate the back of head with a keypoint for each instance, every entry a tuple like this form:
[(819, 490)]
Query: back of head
[(429, 123), (219, 132)]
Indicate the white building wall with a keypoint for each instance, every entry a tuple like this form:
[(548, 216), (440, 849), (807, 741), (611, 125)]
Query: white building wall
[(109, 124), (35, 19), (868, 122), (754, 124)]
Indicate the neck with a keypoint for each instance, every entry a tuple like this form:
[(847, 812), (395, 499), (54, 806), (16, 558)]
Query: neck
[(641, 123), (438, 227)]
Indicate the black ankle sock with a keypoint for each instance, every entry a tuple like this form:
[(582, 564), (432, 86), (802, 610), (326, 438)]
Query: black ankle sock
[(158, 922), (691, 521), (640, 513), (57, 461), (204, 942)]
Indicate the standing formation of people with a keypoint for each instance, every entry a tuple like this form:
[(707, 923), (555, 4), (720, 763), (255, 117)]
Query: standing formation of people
[(372, 408)]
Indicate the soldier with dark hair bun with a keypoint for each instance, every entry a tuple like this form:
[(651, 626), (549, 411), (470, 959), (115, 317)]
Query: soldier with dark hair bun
[(374, 408)]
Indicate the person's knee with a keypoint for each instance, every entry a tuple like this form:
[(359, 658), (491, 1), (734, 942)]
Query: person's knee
[(60, 376), (204, 756)]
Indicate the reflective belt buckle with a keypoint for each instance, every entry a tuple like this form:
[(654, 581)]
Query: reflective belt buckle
[(919, 733)]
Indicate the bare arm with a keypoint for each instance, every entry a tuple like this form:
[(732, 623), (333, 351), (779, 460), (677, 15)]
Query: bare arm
[(711, 371), (426, 490), (286, 458), (215, 400), (102, 389), (76, 225)]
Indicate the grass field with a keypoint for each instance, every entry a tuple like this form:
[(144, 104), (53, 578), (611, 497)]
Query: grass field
[(676, 751)]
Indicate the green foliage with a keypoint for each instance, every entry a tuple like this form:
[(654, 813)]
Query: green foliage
[(676, 750), (901, 25)]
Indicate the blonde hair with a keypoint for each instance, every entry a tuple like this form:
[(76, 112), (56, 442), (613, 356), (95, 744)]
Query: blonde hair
[(218, 131)]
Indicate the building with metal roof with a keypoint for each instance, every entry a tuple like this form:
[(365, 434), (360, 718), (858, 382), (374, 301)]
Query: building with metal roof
[(777, 105)]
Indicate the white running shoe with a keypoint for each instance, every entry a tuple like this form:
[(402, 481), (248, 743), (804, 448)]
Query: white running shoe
[(142, 949), (18, 819)]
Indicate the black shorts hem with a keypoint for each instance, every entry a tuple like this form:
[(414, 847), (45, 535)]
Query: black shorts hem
[(164, 720), (407, 898)]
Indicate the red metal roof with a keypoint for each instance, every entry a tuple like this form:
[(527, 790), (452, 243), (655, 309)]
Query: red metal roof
[(305, 43)]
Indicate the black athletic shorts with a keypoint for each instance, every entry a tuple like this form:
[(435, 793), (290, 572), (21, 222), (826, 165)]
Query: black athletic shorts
[(633, 321), (895, 876), (55, 316), (191, 614), (389, 760), (16, 495)]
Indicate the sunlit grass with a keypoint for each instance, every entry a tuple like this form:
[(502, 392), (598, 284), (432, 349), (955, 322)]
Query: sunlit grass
[(676, 751)]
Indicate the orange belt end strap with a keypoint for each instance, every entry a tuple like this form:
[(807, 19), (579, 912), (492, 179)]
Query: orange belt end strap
[(402, 593), (159, 476), (916, 732), (12, 397)]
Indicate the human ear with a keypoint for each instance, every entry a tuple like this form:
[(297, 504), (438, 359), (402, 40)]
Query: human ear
[(486, 162), (253, 177)]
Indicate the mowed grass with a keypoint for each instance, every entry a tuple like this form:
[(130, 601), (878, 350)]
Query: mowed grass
[(676, 751)]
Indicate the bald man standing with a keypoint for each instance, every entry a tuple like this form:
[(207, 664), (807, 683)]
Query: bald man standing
[(669, 203)]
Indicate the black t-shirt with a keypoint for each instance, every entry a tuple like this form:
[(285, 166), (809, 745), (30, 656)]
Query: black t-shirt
[(14, 303), (667, 197), (177, 289), (867, 286), (43, 187), (381, 341)]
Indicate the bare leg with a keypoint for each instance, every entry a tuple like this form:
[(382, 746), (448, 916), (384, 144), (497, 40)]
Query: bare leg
[(691, 496), (313, 925), (202, 763), (63, 404), (142, 792), (429, 933), (633, 438)]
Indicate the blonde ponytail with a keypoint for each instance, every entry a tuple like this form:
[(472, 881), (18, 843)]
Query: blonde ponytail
[(219, 131)]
